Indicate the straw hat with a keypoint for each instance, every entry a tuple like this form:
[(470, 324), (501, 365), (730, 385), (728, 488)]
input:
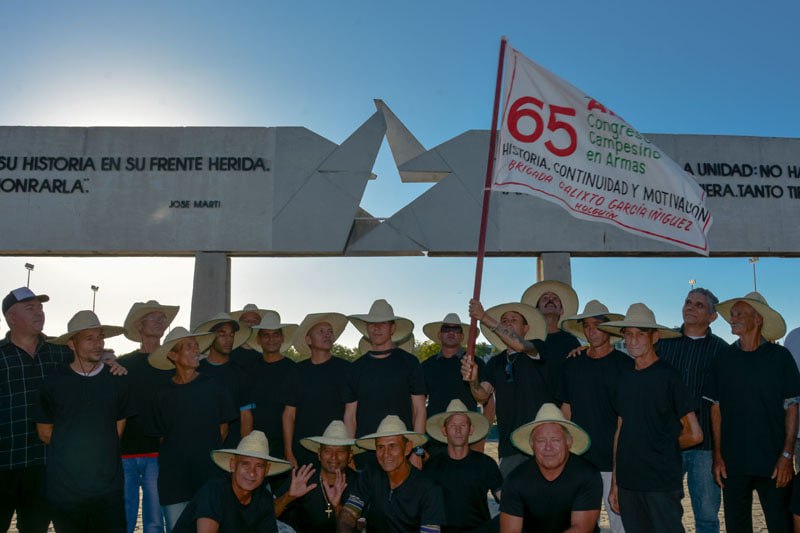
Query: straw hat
[(431, 329), (249, 308), (639, 316), (537, 327), (593, 309), (242, 331), (83, 320), (391, 426), (406, 344), (774, 326), (567, 295), (337, 321), (381, 311), (550, 414), (158, 359), (335, 435), (253, 445), (140, 309), (271, 320), (480, 426)]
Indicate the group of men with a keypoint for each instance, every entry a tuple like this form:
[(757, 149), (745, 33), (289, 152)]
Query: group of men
[(323, 444)]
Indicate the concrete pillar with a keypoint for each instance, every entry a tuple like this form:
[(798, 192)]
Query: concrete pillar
[(554, 265), (211, 290)]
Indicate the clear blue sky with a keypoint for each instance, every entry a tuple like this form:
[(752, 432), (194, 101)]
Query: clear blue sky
[(683, 67)]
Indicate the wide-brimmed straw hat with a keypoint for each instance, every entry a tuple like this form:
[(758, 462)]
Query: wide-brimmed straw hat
[(550, 414), (431, 329), (593, 309), (249, 308), (774, 326), (83, 320), (406, 344), (537, 327), (480, 426), (253, 445), (140, 309), (381, 311), (335, 435), (391, 426), (242, 331), (158, 359), (639, 316), (337, 321), (567, 295), (271, 320)]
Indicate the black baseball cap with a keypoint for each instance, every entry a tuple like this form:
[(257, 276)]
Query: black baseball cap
[(23, 294)]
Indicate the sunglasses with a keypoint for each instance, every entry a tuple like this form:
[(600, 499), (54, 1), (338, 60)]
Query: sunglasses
[(451, 328), (510, 368)]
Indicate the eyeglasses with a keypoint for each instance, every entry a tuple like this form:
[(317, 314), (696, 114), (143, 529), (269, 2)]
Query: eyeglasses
[(510, 368), (448, 328)]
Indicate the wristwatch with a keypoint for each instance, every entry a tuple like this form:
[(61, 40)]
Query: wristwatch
[(787, 455), (419, 450)]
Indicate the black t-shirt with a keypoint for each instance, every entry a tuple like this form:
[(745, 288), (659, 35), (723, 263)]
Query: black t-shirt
[(383, 386), (415, 503), (217, 501), (316, 392), (188, 417), (518, 394), (651, 402), (269, 394), (443, 382), (590, 386), (246, 358), (236, 384), (547, 506), (556, 347), (145, 381), (465, 484), (308, 514), (794, 504), (83, 458), (751, 388)]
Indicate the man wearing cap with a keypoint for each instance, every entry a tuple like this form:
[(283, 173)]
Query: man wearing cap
[(271, 338), (691, 354), (237, 501), (516, 376), (229, 334), (393, 496), (465, 475), (386, 380), (557, 490), (442, 372), (753, 387), (554, 299), (247, 355), (146, 324), (315, 386), (589, 390), (310, 502), (80, 416), (656, 420)]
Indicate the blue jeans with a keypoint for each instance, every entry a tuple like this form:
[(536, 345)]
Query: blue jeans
[(142, 472), (703, 490)]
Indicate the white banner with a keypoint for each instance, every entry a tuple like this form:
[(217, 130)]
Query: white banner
[(561, 145)]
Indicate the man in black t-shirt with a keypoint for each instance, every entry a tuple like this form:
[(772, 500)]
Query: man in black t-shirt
[(589, 391), (753, 387), (556, 490), (465, 475), (81, 416), (656, 420), (238, 502), (393, 495)]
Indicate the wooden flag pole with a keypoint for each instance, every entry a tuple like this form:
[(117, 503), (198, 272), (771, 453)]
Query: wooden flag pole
[(487, 191)]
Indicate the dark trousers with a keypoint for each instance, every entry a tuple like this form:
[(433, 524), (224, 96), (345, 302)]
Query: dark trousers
[(22, 490), (98, 514), (737, 497), (651, 511)]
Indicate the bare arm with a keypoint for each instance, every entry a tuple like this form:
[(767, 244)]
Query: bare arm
[(510, 523), (246, 418), (691, 432), (567, 410), (506, 334), (419, 415), (45, 432), (298, 488), (350, 410), (583, 521), (718, 468), (783, 471), (469, 372), (289, 412), (346, 521), (121, 427), (206, 525), (613, 500), (223, 431)]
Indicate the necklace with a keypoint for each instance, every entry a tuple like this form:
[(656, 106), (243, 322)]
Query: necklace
[(328, 506)]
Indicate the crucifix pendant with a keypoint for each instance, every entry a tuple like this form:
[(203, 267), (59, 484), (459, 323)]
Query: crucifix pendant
[(328, 511)]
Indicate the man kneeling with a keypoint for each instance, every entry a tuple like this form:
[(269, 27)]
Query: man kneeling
[(239, 502)]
